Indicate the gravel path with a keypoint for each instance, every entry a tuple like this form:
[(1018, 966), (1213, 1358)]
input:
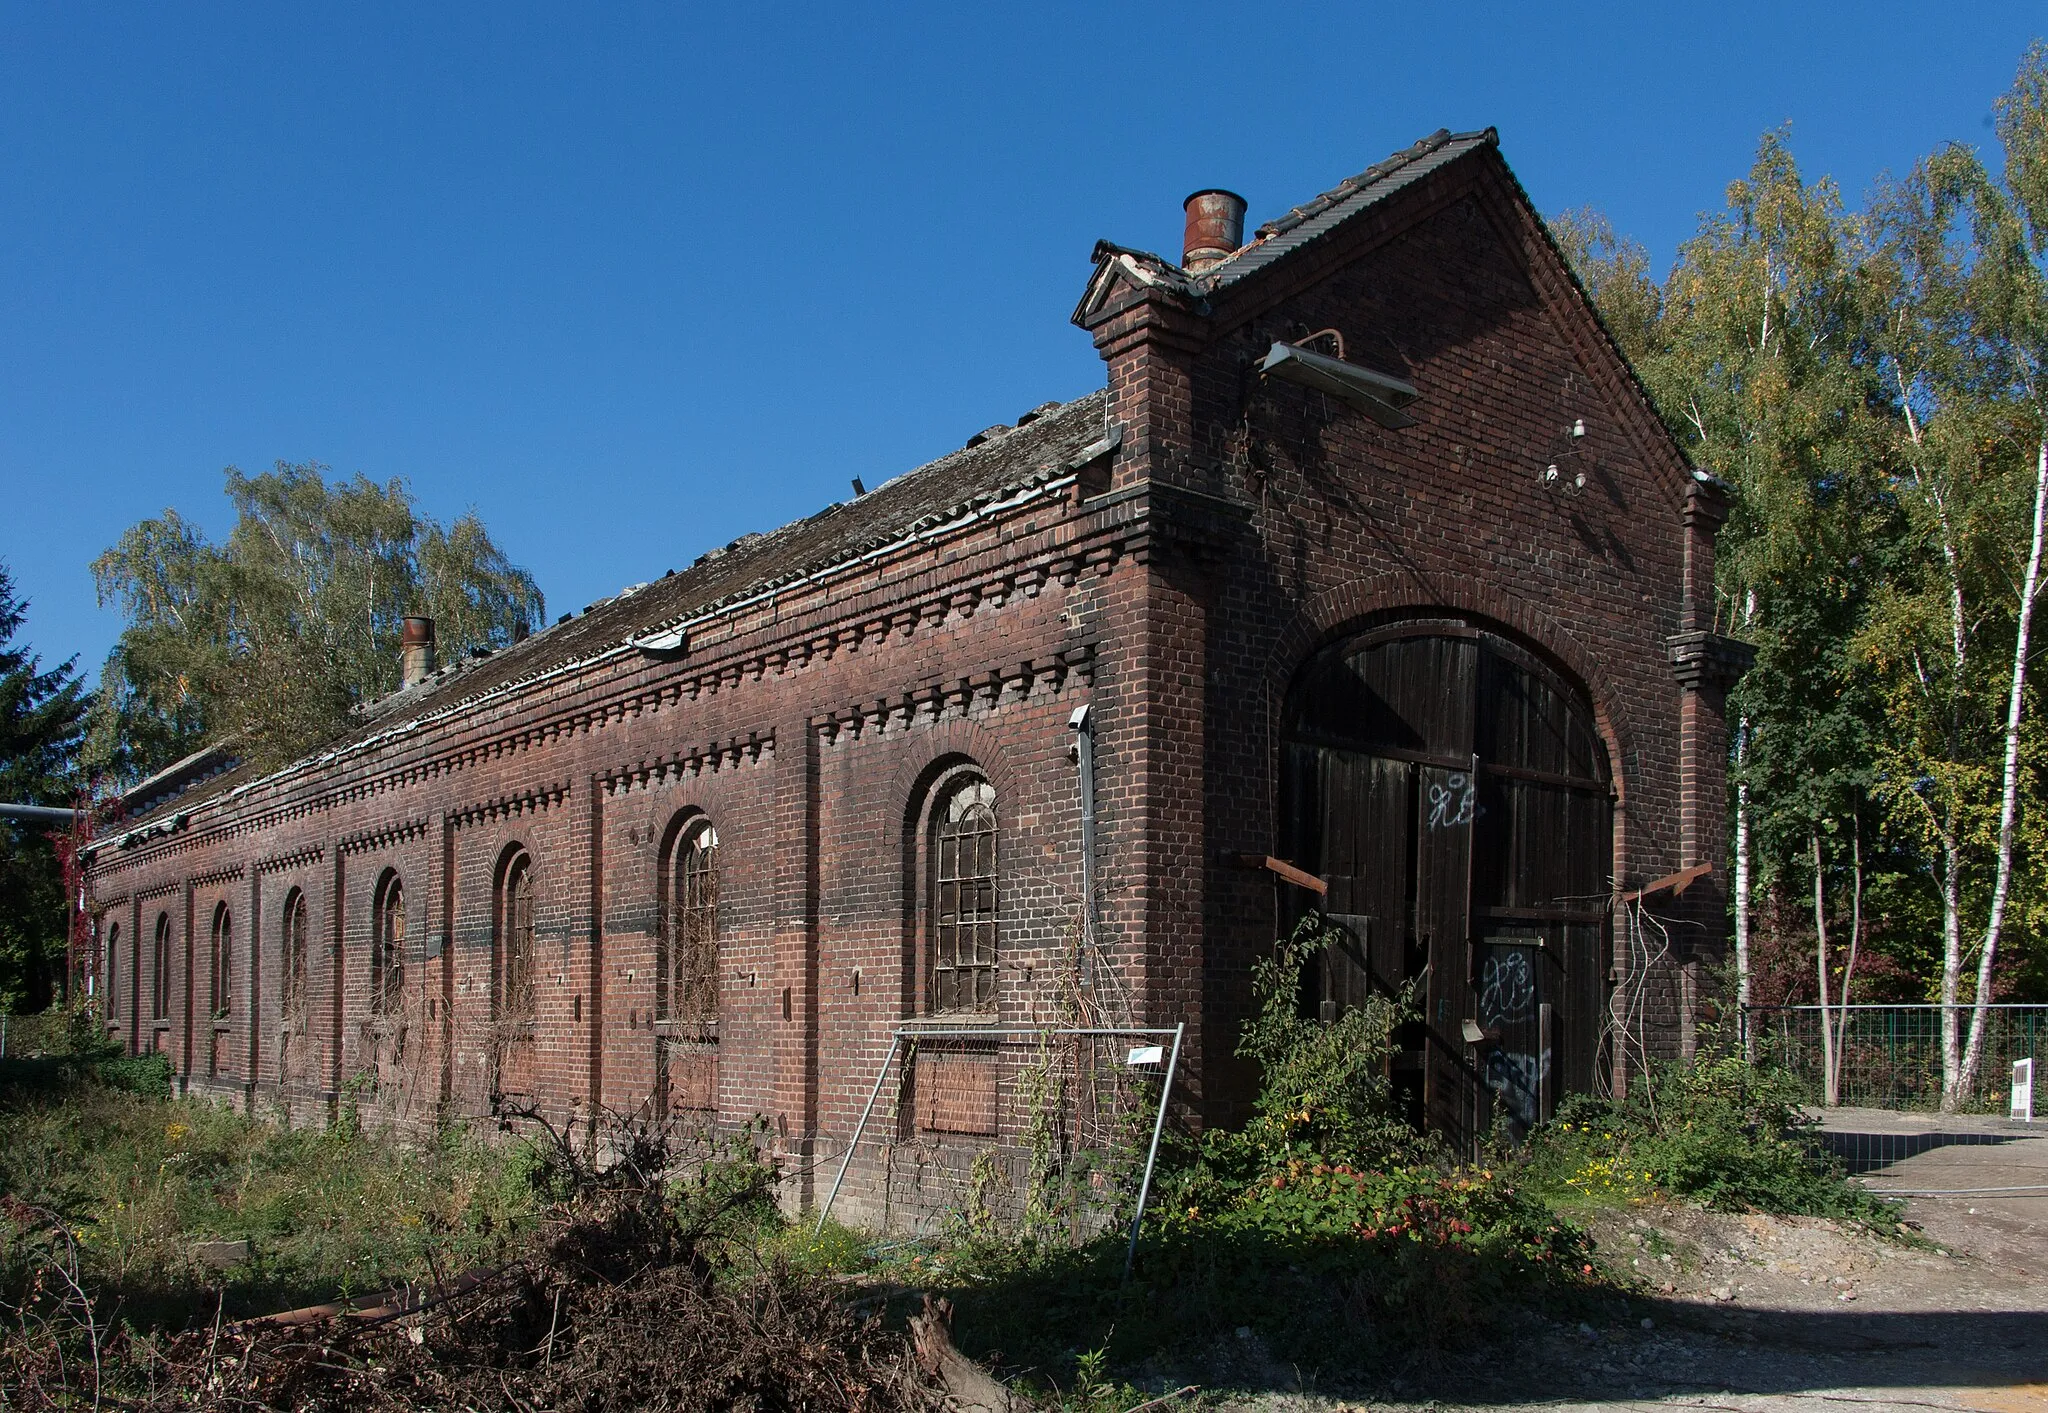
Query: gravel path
[(1765, 1314)]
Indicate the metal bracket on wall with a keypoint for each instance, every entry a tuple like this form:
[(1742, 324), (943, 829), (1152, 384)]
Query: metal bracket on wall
[(1299, 877), (1677, 882)]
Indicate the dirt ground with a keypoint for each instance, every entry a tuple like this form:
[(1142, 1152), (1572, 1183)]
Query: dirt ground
[(1762, 1314)]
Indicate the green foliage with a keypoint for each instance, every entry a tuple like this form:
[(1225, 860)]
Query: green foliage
[(1324, 1090), (145, 1076), (141, 1178), (42, 717), (1326, 1226), (1716, 1131), (309, 589), (1870, 385), (69, 1049)]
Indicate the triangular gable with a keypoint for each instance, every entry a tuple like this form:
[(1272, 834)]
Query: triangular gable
[(1122, 273), (1377, 205)]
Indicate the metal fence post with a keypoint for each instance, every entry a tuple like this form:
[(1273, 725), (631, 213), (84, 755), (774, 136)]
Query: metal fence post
[(1152, 1155)]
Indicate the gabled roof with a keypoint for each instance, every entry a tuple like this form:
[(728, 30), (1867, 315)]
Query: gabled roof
[(1303, 225), (1045, 444), (1312, 220)]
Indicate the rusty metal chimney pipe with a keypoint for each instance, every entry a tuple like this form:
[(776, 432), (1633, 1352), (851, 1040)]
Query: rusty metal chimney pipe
[(416, 651), (1215, 228)]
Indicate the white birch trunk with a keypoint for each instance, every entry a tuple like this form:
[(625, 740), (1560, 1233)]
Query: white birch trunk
[(1855, 944), (1951, 842), (1743, 992), (1742, 889), (1951, 964), (2008, 805), (1830, 1079)]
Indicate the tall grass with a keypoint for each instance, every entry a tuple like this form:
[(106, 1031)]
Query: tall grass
[(142, 1182)]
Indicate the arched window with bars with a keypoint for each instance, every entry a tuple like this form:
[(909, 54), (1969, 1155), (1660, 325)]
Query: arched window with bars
[(221, 968), (514, 994), (387, 946), (961, 934), (687, 976)]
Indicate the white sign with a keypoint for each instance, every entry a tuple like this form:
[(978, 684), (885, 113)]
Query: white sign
[(1146, 1055), (2023, 1090)]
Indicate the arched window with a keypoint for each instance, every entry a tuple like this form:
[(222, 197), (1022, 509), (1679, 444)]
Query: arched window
[(108, 992), (291, 985), (223, 962), (387, 947), (686, 990), (962, 933), (160, 987), (515, 998)]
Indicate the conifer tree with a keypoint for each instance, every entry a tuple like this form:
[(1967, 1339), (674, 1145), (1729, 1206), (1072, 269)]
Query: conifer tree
[(41, 723)]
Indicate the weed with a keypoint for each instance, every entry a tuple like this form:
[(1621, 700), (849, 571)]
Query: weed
[(1716, 1130), (1326, 1225), (142, 1180)]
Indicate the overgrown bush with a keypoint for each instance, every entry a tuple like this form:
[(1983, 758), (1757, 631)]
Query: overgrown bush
[(63, 1048), (1716, 1130), (1326, 1225)]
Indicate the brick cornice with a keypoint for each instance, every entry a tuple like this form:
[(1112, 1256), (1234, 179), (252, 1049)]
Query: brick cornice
[(383, 836), (1702, 659), (510, 804), (791, 642), (711, 757)]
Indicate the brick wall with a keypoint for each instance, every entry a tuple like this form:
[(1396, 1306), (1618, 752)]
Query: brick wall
[(811, 730)]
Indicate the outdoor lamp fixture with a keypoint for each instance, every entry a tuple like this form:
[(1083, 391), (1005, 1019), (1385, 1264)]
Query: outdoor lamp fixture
[(1556, 474), (664, 645), (1375, 394)]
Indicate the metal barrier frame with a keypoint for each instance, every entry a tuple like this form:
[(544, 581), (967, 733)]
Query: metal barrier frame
[(927, 1031)]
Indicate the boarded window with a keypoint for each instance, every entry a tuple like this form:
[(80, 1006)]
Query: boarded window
[(515, 941), (963, 913), (291, 997), (108, 989), (387, 949), (160, 964), (223, 968), (689, 975)]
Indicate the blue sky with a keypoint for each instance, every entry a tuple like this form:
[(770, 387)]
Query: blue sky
[(631, 281)]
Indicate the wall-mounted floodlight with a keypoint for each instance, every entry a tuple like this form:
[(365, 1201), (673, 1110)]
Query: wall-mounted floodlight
[(1375, 394), (669, 643)]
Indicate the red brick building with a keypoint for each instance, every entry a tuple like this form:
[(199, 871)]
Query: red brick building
[(1371, 558)]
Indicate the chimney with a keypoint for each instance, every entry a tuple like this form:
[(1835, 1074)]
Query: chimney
[(1215, 228), (416, 651)]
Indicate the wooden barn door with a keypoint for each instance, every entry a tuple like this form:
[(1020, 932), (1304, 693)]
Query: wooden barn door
[(1451, 790)]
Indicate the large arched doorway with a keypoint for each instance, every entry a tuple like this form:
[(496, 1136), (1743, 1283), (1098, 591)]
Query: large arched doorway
[(1451, 787)]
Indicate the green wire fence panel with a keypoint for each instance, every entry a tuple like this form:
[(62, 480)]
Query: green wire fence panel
[(1891, 1056)]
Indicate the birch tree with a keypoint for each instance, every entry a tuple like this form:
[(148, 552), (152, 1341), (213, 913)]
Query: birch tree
[(1962, 349), (273, 636), (1755, 352)]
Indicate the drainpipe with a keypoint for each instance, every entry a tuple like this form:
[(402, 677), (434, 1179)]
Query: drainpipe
[(1083, 728)]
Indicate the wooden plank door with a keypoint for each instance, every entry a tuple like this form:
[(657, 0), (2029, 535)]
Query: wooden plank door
[(1367, 827), (1446, 803)]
